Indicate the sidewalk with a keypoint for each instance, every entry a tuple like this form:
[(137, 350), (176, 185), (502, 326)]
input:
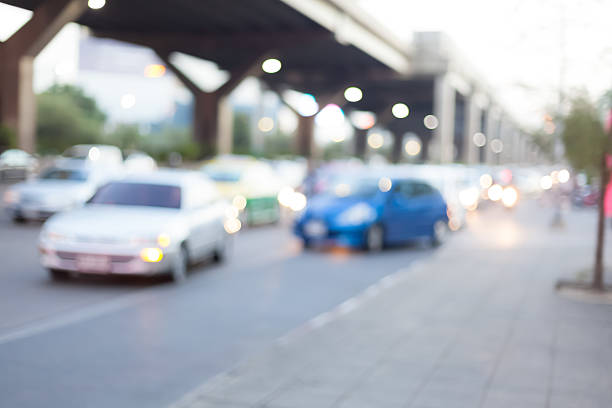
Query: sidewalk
[(478, 325)]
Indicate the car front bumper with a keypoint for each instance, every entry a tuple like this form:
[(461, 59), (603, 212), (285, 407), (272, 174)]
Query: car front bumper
[(101, 259), (352, 236)]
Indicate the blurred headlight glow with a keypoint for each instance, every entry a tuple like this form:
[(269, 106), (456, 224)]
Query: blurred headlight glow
[(239, 202), (151, 255), (469, 198), (495, 192), (509, 197), (546, 182), (563, 176), (11, 197), (298, 202), (284, 196), (163, 240), (231, 212)]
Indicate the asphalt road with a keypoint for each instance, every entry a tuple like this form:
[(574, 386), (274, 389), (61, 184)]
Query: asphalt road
[(140, 343)]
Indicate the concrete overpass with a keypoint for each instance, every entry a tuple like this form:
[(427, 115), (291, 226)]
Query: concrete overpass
[(324, 45)]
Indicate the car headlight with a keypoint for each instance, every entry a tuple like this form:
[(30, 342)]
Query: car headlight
[(509, 197), (11, 197), (357, 214), (469, 198)]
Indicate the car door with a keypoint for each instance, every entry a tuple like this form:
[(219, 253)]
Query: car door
[(401, 214), (204, 219)]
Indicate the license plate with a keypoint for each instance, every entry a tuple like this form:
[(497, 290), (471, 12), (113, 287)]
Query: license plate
[(315, 229), (93, 263)]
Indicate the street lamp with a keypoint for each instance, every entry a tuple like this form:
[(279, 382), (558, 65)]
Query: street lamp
[(400, 110), (353, 94), (96, 4), (271, 66)]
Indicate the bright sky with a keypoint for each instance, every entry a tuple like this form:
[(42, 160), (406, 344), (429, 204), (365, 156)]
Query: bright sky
[(517, 44)]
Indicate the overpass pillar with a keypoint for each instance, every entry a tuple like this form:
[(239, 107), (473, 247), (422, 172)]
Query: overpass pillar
[(360, 140), (398, 145), (492, 132), (212, 114), (442, 148), (305, 136), (17, 99), (471, 126)]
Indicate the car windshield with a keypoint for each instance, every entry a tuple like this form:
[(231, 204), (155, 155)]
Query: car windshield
[(138, 194), (64, 174), (222, 174), (353, 187)]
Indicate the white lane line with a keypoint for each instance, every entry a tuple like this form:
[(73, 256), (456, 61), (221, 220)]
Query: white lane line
[(74, 317)]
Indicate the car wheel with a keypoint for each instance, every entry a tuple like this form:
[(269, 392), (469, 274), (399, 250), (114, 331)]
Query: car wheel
[(222, 249), (58, 275), (440, 233), (18, 219), (179, 265), (375, 238)]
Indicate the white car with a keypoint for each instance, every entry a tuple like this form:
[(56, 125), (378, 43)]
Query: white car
[(53, 190), (139, 162), (95, 155), (15, 163), (149, 224)]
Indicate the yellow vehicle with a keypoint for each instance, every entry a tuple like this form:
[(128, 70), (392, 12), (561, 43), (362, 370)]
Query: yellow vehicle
[(250, 184)]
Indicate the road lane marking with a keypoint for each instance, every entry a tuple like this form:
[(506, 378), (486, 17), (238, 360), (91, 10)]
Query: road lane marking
[(74, 317)]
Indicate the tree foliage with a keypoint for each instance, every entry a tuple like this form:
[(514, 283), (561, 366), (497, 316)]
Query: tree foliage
[(66, 116), (8, 140), (584, 137)]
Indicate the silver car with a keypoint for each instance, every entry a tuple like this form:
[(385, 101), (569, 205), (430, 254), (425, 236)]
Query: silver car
[(149, 224), (55, 189)]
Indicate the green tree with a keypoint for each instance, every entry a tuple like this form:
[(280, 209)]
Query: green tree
[(242, 133), (546, 144), (586, 145), (66, 116), (126, 137), (7, 138)]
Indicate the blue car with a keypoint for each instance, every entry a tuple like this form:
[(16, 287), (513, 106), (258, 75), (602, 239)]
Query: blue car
[(373, 212)]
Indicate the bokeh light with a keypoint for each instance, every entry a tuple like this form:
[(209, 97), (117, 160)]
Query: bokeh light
[(265, 124), (479, 139), (239, 202), (376, 140), (412, 147), (271, 66), (546, 182), (232, 225), (495, 192), (363, 120), (497, 146), (400, 110), (486, 181), (96, 4), (128, 101), (384, 184), (564, 176), (509, 196), (431, 122), (353, 94)]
